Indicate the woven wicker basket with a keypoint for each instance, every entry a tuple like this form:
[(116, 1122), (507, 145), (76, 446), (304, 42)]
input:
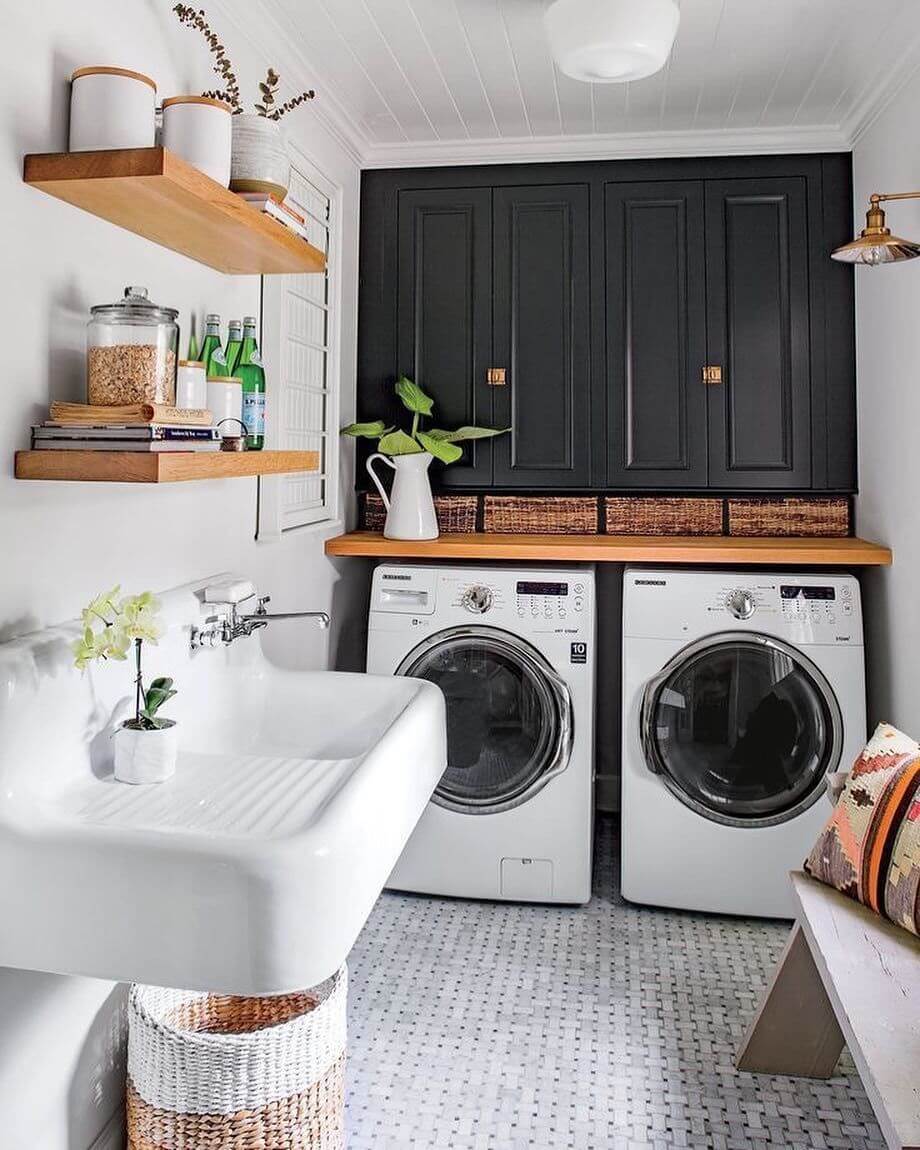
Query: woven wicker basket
[(789, 516), (456, 514), (540, 515), (219, 1072), (662, 515)]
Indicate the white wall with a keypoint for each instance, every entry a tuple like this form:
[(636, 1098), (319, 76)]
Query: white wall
[(886, 159), (62, 542)]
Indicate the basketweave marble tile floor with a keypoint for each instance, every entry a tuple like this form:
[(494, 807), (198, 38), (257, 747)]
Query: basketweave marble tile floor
[(488, 1026)]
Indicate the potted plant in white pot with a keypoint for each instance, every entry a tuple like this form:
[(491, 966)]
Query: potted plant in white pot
[(259, 161), (145, 745), (410, 507)]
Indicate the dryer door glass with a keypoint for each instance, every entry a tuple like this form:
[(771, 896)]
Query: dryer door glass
[(508, 717), (742, 729)]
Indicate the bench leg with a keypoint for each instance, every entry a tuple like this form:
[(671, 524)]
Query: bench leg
[(794, 1031)]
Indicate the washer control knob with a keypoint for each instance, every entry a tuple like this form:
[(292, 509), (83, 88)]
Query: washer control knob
[(477, 599), (740, 603)]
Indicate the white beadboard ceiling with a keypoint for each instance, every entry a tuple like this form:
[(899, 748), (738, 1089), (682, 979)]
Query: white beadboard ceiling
[(446, 81)]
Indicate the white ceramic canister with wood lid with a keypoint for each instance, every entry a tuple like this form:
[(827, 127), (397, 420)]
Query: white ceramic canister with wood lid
[(111, 108), (199, 130)]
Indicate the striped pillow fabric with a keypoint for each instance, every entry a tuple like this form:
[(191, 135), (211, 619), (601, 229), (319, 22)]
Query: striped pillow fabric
[(870, 847)]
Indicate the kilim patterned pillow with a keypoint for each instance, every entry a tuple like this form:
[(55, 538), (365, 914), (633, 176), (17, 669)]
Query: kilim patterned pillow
[(870, 847)]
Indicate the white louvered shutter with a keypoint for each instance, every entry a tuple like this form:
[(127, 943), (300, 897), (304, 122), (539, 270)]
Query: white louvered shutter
[(301, 369)]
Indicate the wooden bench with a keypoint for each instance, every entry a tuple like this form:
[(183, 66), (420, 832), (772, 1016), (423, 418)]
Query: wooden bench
[(846, 975)]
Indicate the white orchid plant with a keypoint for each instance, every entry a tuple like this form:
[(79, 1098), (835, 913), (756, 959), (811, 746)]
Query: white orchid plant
[(112, 624)]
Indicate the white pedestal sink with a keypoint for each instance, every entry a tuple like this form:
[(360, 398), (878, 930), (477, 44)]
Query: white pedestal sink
[(253, 869)]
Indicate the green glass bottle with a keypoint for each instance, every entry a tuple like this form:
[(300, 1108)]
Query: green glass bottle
[(212, 354), (234, 345), (250, 371)]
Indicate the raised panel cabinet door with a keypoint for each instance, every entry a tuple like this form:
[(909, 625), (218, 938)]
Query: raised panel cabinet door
[(655, 335), (541, 336), (444, 315), (758, 333)]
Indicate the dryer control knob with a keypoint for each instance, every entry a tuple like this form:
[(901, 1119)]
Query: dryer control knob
[(740, 603), (477, 599)]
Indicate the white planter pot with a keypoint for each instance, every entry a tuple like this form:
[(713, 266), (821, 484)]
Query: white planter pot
[(410, 508), (111, 108), (259, 160), (199, 130), (145, 756)]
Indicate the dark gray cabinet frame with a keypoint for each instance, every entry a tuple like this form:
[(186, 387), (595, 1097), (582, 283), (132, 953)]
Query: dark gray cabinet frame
[(826, 181)]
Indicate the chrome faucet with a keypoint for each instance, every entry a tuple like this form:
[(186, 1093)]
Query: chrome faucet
[(227, 624), (261, 618)]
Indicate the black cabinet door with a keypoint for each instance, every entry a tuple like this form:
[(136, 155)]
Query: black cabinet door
[(758, 333), (541, 334), (444, 314), (655, 334)]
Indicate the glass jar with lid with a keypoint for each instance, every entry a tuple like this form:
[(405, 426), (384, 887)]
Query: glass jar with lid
[(131, 351)]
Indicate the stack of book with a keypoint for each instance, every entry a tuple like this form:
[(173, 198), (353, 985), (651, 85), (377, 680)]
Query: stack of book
[(278, 210), (133, 427)]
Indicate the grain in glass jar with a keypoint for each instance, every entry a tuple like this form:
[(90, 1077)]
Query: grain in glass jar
[(131, 351)]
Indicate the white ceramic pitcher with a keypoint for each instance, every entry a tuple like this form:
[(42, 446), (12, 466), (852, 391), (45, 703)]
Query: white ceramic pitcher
[(410, 508)]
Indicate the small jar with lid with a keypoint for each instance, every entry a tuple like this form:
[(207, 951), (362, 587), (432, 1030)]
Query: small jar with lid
[(131, 351)]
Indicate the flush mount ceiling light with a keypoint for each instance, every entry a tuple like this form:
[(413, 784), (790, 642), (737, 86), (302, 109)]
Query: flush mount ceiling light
[(611, 41), (875, 244)]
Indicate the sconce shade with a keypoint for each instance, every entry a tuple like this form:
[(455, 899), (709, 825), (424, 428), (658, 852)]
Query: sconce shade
[(875, 244), (611, 41)]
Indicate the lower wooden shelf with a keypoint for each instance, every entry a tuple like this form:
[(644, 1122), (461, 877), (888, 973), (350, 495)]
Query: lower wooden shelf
[(158, 467), (682, 549)]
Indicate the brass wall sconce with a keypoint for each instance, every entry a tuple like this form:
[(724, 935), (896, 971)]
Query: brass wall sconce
[(875, 244)]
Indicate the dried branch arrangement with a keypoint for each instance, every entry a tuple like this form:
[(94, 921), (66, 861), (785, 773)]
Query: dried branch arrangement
[(269, 88), (230, 92)]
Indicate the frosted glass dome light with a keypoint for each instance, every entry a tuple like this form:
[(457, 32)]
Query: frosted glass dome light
[(611, 41)]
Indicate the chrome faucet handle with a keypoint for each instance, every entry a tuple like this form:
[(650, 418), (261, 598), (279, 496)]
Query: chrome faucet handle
[(263, 601)]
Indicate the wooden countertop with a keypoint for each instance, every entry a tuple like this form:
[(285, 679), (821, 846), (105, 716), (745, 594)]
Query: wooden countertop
[(684, 549)]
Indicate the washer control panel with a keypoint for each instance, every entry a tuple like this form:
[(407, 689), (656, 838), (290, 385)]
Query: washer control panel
[(550, 600)]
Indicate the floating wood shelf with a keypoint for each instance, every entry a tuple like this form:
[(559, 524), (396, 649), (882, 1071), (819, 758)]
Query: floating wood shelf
[(620, 549), (158, 466), (153, 193)]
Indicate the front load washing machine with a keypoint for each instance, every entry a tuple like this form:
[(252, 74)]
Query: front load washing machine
[(513, 652), (741, 691)]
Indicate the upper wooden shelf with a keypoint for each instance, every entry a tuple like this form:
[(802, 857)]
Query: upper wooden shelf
[(158, 466), (620, 549), (154, 194)]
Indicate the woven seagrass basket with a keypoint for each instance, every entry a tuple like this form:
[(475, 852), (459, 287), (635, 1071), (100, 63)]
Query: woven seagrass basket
[(220, 1072)]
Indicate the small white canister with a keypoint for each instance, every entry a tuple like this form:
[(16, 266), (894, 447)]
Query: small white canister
[(199, 130), (225, 401), (191, 384), (111, 108)]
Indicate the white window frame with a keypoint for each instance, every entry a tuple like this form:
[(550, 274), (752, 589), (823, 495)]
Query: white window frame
[(270, 522)]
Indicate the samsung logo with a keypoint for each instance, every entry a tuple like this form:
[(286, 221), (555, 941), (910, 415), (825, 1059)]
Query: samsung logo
[(651, 583), (404, 578)]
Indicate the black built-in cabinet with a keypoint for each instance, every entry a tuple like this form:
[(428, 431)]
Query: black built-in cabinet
[(643, 325)]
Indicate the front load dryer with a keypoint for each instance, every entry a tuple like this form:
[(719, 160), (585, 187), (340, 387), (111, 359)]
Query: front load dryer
[(513, 652), (741, 691)]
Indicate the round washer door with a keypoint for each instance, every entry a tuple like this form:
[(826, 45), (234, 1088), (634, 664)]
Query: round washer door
[(509, 717), (742, 728)]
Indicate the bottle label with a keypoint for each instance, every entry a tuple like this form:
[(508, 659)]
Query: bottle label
[(254, 412)]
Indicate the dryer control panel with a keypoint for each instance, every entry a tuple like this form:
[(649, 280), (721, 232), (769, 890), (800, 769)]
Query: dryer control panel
[(802, 608)]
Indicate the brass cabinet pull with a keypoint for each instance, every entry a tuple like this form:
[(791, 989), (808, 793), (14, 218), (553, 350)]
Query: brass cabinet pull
[(495, 377), (712, 373)]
